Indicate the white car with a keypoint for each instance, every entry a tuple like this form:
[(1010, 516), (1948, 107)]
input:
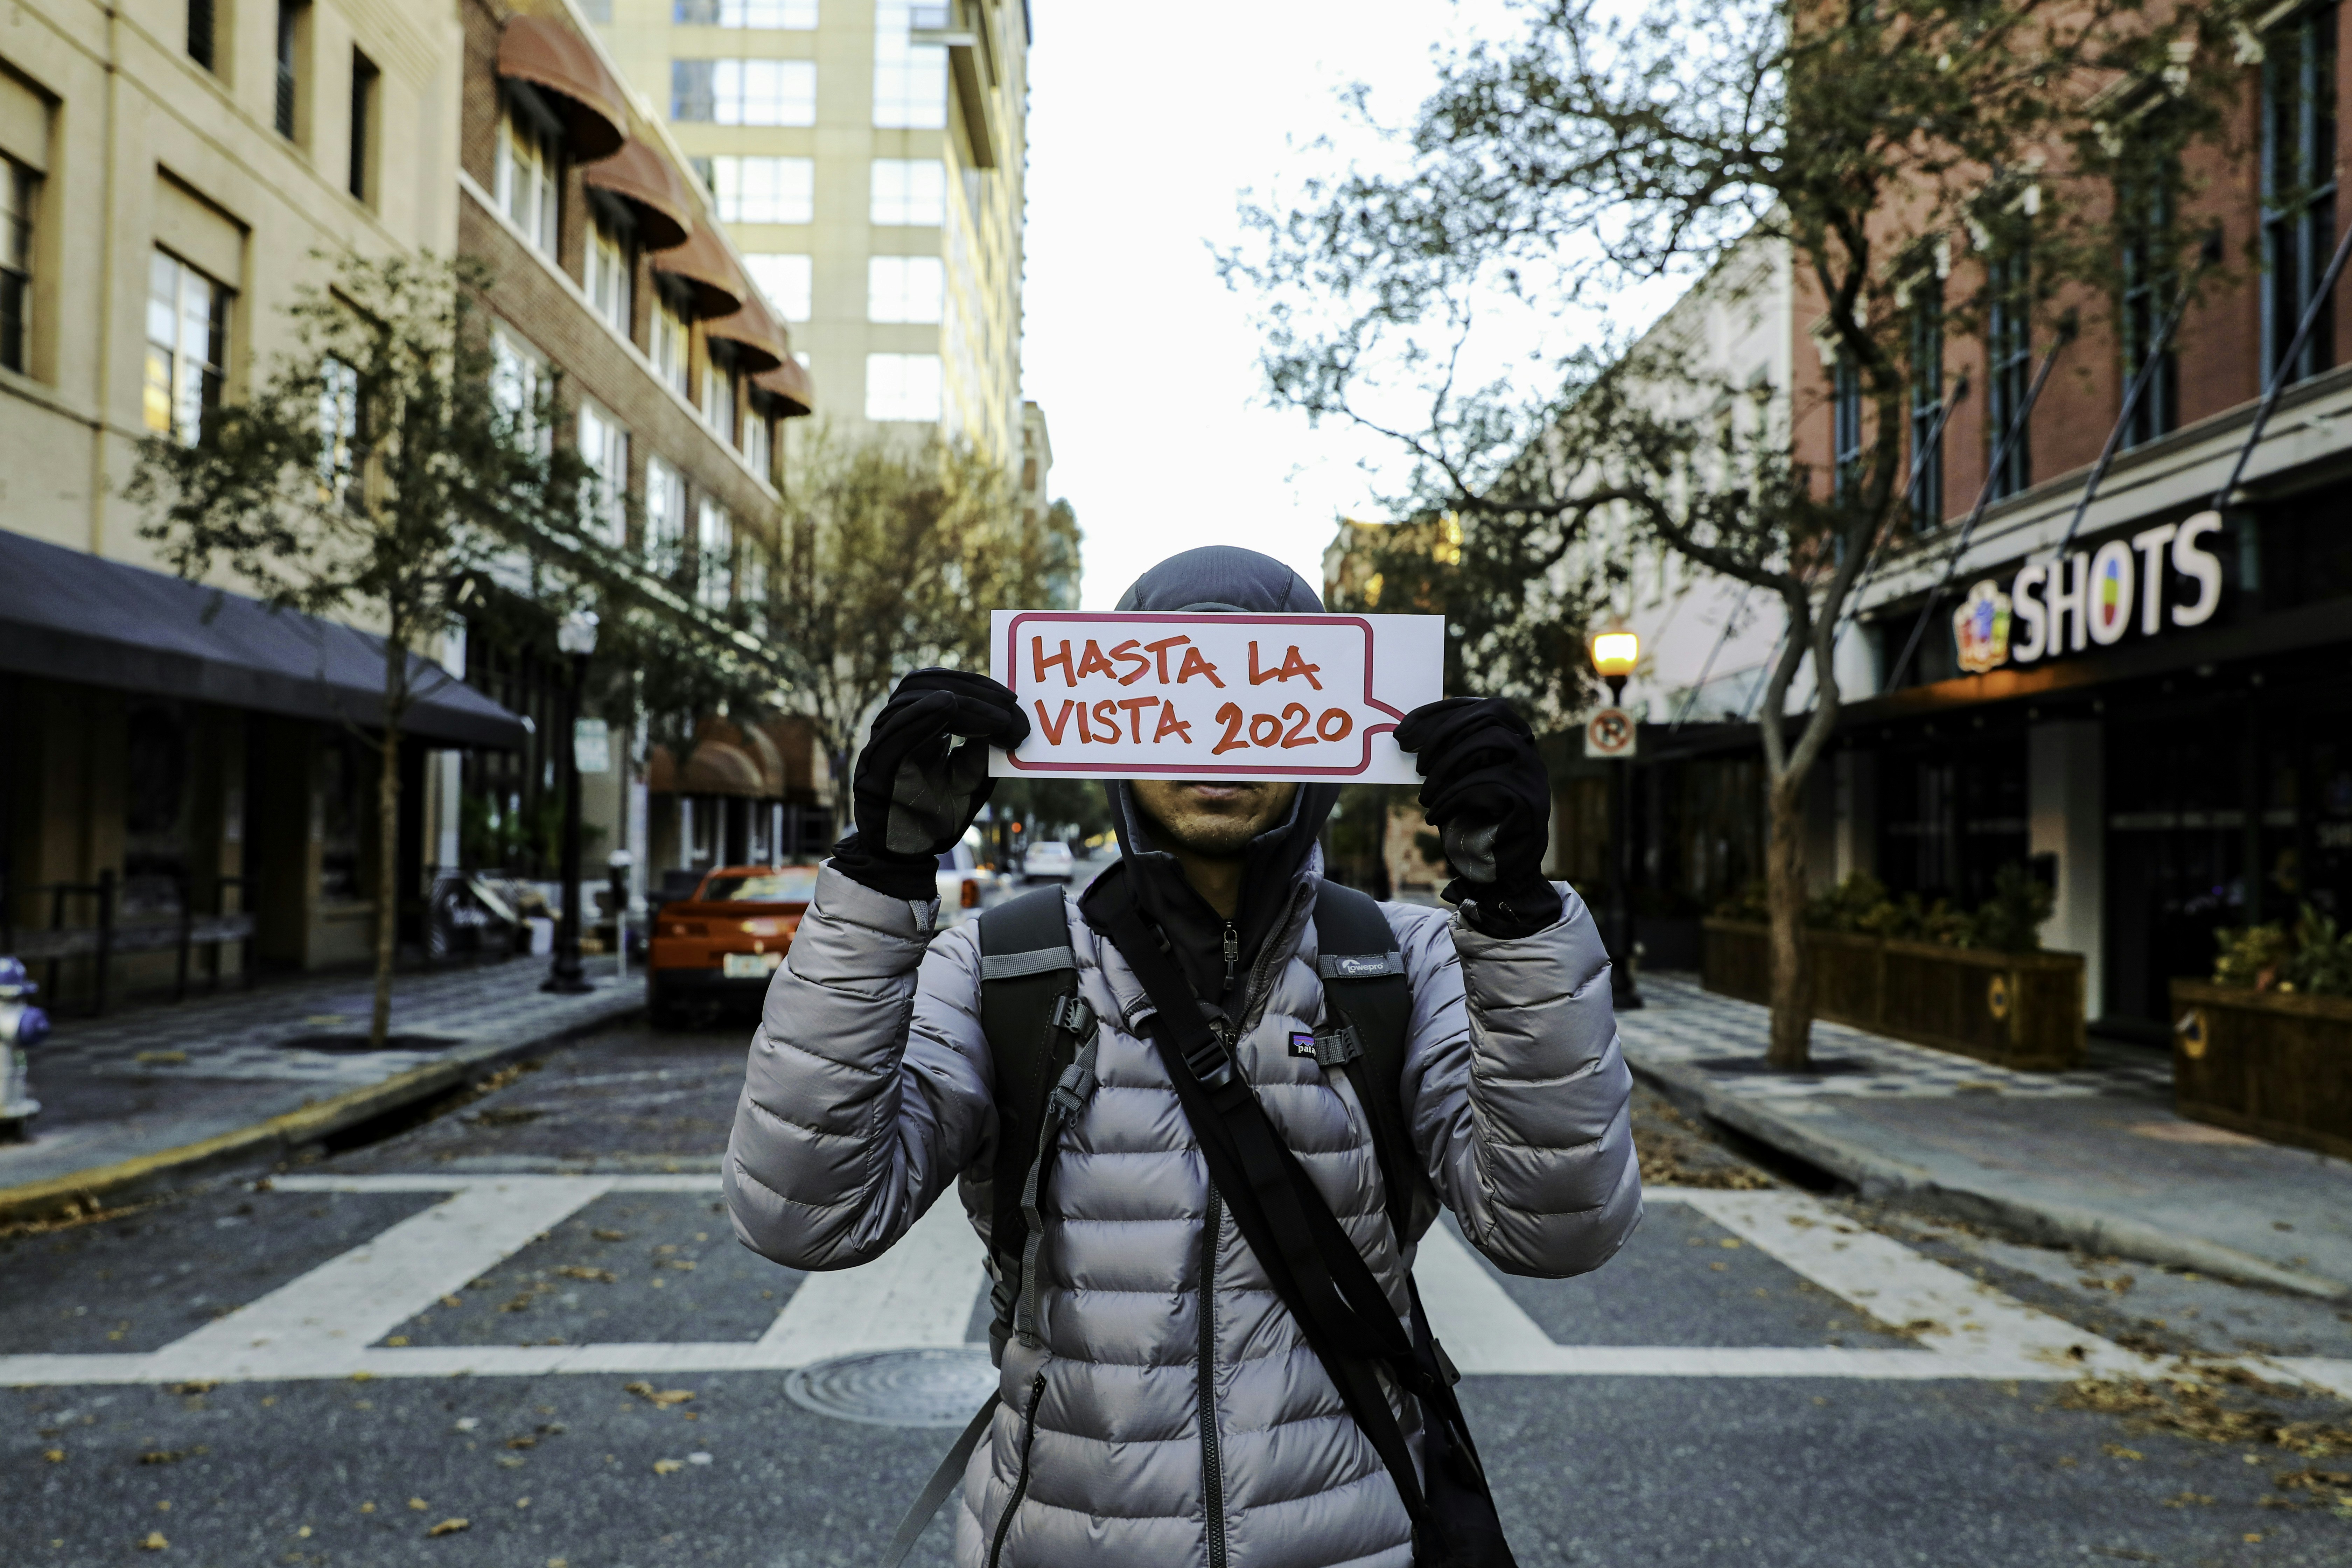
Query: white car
[(962, 885), (1048, 859)]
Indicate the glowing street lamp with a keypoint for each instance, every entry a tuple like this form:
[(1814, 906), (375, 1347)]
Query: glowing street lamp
[(1615, 651), (576, 639)]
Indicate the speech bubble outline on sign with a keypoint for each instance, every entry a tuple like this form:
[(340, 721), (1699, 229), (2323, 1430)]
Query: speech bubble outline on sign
[(1210, 695)]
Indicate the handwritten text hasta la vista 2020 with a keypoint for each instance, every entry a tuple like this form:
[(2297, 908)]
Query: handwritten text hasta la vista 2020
[(1295, 725)]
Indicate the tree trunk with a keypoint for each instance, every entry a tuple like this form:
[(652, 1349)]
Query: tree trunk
[(1784, 897), (387, 834)]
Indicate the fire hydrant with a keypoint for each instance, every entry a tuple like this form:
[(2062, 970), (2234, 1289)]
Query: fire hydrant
[(22, 1024)]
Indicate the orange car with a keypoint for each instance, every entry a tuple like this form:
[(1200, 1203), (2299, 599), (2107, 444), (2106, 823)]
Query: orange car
[(721, 945)]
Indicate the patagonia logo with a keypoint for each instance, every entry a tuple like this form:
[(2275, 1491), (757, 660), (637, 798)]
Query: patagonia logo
[(1302, 1044)]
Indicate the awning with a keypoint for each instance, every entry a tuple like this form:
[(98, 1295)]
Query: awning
[(649, 183), (720, 289), (548, 53), (67, 616), (790, 383), (760, 343), (713, 767)]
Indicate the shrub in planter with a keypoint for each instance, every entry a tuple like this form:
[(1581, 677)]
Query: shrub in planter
[(2266, 1046)]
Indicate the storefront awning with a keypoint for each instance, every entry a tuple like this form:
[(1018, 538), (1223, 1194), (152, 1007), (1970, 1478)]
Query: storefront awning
[(548, 53), (719, 288), (66, 615), (759, 341), (790, 383), (649, 183), (714, 767)]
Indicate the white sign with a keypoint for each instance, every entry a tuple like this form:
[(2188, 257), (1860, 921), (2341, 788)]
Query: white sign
[(1609, 734), (1196, 696), (2158, 578), (592, 746)]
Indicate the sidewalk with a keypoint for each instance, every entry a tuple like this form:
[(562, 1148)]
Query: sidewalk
[(2094, 1159), (159, 1091)]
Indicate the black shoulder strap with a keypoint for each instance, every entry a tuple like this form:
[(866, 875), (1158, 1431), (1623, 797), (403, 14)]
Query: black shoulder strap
[(1364, 983), (1026, 969)]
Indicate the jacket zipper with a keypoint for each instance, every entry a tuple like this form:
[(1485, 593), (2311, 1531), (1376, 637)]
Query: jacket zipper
[(1233, 953), (1212, 1475), (1021, 1482)]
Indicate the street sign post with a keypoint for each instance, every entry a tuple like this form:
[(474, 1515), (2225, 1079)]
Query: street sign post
[(1201, 696)]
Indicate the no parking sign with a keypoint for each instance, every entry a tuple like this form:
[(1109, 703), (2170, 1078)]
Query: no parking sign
[(1609, 734)]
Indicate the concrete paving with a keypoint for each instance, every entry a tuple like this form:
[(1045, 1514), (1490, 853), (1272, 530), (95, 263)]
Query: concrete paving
[(2095, 1159)]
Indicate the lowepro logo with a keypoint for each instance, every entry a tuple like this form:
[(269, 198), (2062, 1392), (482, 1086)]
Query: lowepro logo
[(1357, 968)]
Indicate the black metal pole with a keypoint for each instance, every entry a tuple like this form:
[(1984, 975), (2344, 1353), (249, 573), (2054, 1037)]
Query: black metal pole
[(566, 976), (2279, 372), (1623, 993)]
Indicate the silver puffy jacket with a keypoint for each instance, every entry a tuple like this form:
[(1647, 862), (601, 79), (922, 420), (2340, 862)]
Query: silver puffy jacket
[(1174, 1416)]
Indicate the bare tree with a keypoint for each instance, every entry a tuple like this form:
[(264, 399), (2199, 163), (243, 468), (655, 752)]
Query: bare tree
[(1601, 148), (376, 473)]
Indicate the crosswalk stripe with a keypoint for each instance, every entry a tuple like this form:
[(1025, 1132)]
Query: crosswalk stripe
[(920, 1294)]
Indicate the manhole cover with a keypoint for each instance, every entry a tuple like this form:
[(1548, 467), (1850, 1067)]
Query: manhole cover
[(351, 1045), (1821, 1067), (897, 1388)]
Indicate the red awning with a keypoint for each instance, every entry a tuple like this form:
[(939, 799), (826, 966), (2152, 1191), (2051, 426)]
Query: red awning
[(759, 343), (548, 53), (789, 383), (651, 184), (720, 288), (713, 767)]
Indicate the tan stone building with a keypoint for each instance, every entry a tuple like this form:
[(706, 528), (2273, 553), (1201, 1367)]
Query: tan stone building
[(867, 156)]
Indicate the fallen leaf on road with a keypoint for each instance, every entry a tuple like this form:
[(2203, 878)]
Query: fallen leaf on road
[(161, 1058), (54, 1456), (450, 1527), (2118, 1451), (155, 1541), (610, 1235), (189, 1388), (303, 1533), (453, 1302), (417, 1503), (686, 1264), (2251, 1535), (660, 1397), (367, 1507), (397, 1340), (523, 1442), (1728, 1244), (602, 1276), (2189, 1500), (668, 1466), (161, 1457), (362, 1377)]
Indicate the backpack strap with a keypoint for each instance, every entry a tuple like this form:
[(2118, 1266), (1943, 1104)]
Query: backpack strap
[(1369, 1004), (1040, 1038)]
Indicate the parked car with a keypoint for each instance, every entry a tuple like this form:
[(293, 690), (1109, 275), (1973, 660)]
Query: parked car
[(722, 945), (1048, 859), (963, 883)]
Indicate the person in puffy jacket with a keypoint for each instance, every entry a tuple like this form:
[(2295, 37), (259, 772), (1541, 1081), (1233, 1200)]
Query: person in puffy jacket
[(1173, 1414)]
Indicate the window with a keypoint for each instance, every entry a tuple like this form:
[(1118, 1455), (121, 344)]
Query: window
[(714, 555), (605, 448), (670, 338), (911, 79), (755, 445), (751, 586), (19, 186), (718, 400), (1845, 425), (665, 515), (744, 92), (200, 32), (764, 190), (2144, 195), (611, 276), (364, 130), (910, 191), (2008, 353), (905, 287), (187, 346), (529, 177), (798, 15), (339, 429), (518, 384), (1926, 401), (2298, 112), (784, 280), (903, 386), (290, 32)]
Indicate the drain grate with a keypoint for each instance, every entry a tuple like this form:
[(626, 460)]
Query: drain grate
[(897, 1388)]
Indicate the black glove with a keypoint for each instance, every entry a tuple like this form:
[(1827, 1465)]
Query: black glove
[(1486, 790), (915, 791)]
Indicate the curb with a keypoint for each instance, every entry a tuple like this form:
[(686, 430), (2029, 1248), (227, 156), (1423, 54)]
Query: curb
[(1882, 1179), (283, 1134)]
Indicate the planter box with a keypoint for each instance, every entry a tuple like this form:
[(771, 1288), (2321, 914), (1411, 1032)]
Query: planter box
[(2021, 1010), (2253, 1062)]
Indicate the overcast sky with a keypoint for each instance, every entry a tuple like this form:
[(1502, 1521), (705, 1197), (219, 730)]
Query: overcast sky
[(1145, 122)]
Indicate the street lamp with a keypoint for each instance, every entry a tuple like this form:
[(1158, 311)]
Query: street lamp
[(575, 637), (1616, 649)]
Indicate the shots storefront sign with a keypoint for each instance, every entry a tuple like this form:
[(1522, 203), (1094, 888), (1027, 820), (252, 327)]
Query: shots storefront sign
[(2141, 585)]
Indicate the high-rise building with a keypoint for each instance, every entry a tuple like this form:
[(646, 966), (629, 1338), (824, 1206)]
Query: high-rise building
[(868, 159)]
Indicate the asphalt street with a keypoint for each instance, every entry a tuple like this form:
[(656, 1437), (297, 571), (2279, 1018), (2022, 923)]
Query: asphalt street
[(521, 1333)]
